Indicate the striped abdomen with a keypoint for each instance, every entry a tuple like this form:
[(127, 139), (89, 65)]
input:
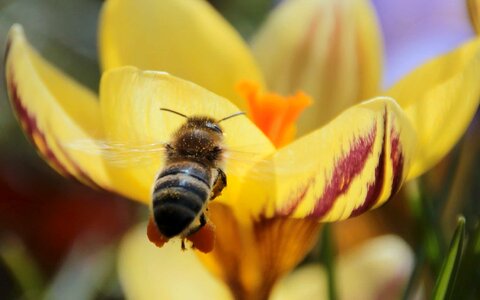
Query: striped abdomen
[(180, 193)]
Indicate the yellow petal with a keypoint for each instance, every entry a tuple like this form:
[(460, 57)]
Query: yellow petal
[(52, 109), (147, 272), (246, 254), (474, 12), (329, 49), (188, 39), (351, 165), (387, 260), (130, 103), (440, 99)]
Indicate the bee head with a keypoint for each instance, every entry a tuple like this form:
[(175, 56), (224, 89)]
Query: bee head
[(204, 123), (199, 137)]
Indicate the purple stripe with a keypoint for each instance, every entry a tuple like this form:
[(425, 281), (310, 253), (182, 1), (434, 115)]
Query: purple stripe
[(292, 204), (397, 161), (345, 170), (30, 127), (375, 187), (80, 174)]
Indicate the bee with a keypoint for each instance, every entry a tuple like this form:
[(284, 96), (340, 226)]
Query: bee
[(192, 176), (194, 158)]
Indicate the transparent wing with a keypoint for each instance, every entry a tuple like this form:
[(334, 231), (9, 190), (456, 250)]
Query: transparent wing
[(118, 153), (242, 163), (245, 161), (239, 160)]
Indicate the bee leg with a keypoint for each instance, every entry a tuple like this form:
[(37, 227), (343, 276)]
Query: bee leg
[(203, 239), (219, 184), (183, 245), (203, 222), (169, 149), (193, 231)]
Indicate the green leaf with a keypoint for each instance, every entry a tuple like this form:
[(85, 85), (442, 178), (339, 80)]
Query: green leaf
[(466, 286), (446, 278)]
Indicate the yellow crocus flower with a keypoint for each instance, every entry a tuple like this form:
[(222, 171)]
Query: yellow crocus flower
[(348, 160)]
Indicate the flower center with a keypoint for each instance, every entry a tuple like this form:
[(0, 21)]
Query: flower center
[(274, 114)]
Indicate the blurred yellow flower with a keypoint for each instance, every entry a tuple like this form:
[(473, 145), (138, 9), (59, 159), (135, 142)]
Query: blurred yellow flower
[(169, 274), (353, 158)]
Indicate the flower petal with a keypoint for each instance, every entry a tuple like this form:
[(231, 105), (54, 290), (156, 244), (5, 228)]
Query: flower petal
[(186, 38), (416, 31), (329, 49), (440, 99), (387, 260), (54, 109), (355, 163), (149, 273), (130, 103), (246, 253)]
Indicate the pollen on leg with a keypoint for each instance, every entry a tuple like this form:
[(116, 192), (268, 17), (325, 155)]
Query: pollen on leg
[(274, 114), (154, 235), (204, 238)]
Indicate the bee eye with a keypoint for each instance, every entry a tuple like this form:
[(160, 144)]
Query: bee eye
[(216, 149), (214, 153), (214, 127)]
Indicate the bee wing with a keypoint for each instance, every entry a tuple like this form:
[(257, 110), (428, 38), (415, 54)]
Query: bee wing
[(120, 154), (243, 160), (256, 166)]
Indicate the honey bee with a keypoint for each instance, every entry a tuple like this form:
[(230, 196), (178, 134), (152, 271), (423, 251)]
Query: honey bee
[(192, 177)]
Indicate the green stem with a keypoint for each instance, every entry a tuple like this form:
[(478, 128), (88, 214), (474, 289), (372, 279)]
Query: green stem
[(327, 255), (427, 221), (416, 273)]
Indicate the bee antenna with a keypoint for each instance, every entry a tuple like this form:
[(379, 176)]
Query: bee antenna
[(175, 112), (231, 116)]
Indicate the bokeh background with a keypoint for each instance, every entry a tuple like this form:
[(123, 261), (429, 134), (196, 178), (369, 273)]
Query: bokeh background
[(58, 237)]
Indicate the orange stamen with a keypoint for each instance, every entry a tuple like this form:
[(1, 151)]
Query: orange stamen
[(275, 115)]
